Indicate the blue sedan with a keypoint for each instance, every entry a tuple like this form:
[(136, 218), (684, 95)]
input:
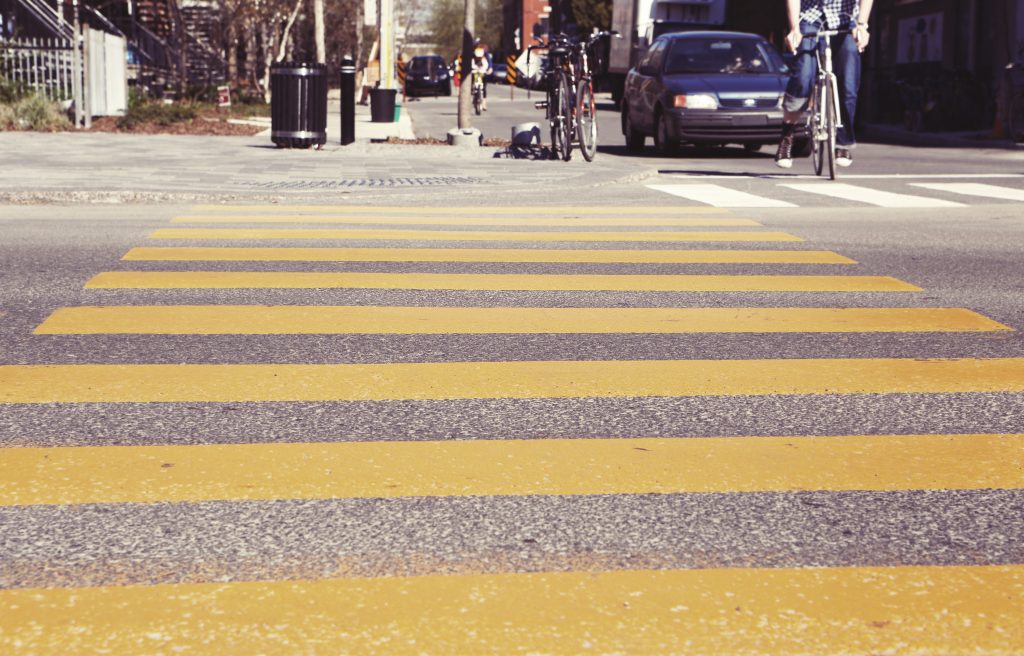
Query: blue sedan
[(706, 88)]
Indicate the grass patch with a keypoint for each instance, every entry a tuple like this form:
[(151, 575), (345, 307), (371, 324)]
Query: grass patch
[(33, 112)]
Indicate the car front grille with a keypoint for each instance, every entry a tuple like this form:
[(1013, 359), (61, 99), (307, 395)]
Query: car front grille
[(759, 103)]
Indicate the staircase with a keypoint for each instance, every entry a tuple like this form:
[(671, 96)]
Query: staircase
[(206, 65)]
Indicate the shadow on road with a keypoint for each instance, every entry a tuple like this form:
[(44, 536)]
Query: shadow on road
[(526, 152)]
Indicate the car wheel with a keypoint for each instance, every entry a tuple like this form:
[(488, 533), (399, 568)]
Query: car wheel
[(663, 141), (752, 147), (635, 139)]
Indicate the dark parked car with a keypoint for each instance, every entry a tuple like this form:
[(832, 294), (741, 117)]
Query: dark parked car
[(710, 88), (427, 75)]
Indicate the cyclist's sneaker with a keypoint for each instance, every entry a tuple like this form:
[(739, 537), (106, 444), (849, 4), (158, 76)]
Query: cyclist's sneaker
[(784, 156), (843, 157)]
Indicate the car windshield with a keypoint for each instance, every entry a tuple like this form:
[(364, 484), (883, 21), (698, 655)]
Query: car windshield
[(425, 65), (709, 55)]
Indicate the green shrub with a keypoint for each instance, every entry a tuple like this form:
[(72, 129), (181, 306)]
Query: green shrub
[(155, 112), (11, 91), (33, 112), (8, 119)]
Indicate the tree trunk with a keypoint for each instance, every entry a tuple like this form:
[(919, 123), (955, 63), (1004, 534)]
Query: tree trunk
[(466, 68), (232, 39)]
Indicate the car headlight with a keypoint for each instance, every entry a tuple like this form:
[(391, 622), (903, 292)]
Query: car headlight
[(695, 101)]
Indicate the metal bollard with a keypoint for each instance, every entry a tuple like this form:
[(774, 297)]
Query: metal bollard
[(348, 100)]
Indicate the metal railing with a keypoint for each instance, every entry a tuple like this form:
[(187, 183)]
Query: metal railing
[(49, 16), (43, 65)]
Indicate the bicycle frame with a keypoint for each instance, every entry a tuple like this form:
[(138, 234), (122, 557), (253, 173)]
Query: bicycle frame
[(826, 117), (823, 52)]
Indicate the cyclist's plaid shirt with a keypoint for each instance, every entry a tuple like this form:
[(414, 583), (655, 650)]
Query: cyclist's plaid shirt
[(829, 11)]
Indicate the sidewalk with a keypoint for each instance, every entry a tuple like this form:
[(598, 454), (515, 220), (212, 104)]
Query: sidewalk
[(111, 167), (898, 135)]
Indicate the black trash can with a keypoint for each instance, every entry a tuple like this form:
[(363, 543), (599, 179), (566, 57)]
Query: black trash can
[(298, 104), (382, 105)]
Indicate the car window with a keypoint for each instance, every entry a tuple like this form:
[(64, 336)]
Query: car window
[(425, 65), (711, 55), (657, 55)]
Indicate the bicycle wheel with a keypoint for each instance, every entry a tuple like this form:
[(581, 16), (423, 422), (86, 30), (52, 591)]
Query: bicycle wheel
[(818, 137), (554, 93), (478, 101), (563, 117), (586, 119), (832, 121)]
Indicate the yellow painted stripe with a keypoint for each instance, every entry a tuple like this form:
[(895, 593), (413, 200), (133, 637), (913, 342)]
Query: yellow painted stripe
[(777, 612), (336, 320), (469, 235), (200, 254), (491, 282), (150, 474), (142, 383), (473, 220), (475, 210)]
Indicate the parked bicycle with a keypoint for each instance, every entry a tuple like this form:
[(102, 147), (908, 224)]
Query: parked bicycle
[(586, 109), (557, 81), (570, 107), (825, 119)]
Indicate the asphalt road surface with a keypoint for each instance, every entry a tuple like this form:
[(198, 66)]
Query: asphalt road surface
[(702, 410)]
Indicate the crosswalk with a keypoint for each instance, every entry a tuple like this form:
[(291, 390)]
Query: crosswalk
[(132, 584), (894, 192)]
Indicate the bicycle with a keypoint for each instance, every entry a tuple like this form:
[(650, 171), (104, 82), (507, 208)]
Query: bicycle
[(559, 102), (825, 119), (585, 116)]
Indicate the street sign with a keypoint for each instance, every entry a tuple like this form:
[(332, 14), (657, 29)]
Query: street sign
[(511, 73), (224, 96)]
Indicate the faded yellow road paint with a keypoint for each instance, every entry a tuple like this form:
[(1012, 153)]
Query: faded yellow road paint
[(143, 383), (469, 235), (476, 210), (491, 282), (192, 254), (763, 612), (335, 320), (150, 474), (473, 220)]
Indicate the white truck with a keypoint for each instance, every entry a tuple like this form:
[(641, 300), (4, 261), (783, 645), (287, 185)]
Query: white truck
[(640, 22)]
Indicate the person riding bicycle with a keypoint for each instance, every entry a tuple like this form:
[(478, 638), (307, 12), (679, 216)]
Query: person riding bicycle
[(482, 66), (807, 17)]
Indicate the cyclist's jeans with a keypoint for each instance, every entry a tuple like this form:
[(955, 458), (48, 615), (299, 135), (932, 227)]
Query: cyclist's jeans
[(846, 66)]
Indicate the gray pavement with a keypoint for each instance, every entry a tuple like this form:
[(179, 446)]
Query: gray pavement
[(961, 256)]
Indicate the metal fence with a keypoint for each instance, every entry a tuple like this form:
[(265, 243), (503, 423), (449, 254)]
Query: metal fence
[(44, 65)]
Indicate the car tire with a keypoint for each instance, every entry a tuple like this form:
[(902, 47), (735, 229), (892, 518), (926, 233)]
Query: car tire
[(753, 147), (635, 139), (666, 145)]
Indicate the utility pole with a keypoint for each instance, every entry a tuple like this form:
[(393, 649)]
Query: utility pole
[(386, 29), (466, 69), (76, 64), (318, 31)]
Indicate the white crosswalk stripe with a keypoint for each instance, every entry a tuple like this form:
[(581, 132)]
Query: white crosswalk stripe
[(869, 196), (777, 193), (719, 196), (974, 189)]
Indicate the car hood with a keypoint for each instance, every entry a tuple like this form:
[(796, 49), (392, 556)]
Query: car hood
[(725, 85)]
